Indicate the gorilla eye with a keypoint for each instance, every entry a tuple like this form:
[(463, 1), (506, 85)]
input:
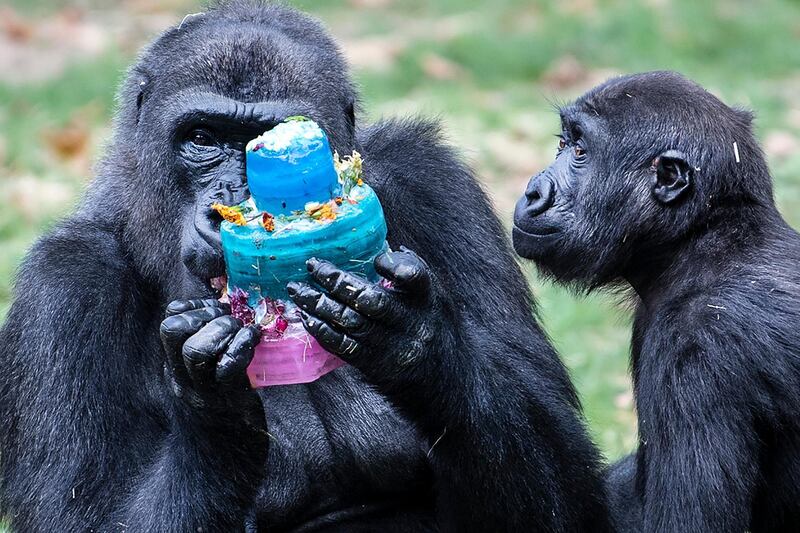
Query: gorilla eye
[(579, 151), (561, 143), (201, 137)]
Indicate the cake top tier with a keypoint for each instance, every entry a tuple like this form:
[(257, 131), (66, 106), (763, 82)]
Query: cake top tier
[(289, 166)]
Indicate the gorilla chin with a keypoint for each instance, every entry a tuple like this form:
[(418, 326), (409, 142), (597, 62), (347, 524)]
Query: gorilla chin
[(560, 259), (534, 245)]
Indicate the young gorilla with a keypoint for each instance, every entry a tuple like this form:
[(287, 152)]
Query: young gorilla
[(659, 184), (456, 414)]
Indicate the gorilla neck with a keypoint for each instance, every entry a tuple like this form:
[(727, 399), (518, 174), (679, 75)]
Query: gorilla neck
[(693, 259)]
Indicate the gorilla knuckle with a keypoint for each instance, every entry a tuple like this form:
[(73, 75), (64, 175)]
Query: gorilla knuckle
[(378, 303), (197, 351), (347, 345), (176, 307), (351, 319), (173, 326), (326, 305), (249, 336), (313, 324), (227, 322)]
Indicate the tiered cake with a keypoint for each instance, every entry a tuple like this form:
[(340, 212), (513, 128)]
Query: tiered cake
[(304, 204)]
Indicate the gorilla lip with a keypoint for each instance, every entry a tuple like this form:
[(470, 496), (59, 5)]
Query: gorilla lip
[(530, 245), (547, 231), (220, 285)]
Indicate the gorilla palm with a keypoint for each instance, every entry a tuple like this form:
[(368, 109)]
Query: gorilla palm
[(456, 413)]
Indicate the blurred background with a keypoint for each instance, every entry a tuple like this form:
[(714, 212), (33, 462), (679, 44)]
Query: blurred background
[(491, 70)]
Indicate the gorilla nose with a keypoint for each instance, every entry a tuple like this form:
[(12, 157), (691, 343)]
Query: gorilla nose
[(540, 194)]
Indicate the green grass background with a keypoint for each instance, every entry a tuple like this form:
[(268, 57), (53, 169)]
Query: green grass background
[(491, 70)]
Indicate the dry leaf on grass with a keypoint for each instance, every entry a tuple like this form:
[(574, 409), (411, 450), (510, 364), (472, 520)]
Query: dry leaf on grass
[(33, 51), (13, 26), (564, 72), (69, 141)]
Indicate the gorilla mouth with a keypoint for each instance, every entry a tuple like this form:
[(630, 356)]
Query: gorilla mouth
[(201, 252), (544, 231), (219, 285)]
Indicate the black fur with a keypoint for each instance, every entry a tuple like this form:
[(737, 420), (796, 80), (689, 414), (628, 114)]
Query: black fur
[(97, 436), (648, 190)]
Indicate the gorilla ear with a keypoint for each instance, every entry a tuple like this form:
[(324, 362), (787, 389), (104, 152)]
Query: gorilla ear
[(673, 177)]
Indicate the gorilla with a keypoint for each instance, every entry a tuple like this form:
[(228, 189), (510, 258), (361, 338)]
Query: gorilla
[(454, 415), (659, 185)]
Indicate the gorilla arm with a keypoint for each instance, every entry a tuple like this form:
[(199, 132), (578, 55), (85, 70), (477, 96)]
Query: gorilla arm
[(453, 343), (95, 439), (698, 446)]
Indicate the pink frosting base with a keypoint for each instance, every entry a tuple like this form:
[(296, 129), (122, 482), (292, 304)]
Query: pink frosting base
[(294, 358)]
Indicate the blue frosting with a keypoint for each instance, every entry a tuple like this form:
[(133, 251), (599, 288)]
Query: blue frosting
[(262, 262), (284, 172), (289, 166)]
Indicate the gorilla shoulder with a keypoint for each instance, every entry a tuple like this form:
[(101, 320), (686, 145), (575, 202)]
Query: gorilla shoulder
[(76, 257), (396, 145)]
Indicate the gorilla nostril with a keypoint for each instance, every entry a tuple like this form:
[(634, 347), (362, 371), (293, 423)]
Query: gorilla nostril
[(541, 194)]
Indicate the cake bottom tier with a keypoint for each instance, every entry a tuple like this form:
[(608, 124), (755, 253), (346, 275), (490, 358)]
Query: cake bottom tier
[(261, 262), (294, 358)]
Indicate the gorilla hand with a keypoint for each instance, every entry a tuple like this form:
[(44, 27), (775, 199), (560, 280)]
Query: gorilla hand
[(380, 328), (207, 354)]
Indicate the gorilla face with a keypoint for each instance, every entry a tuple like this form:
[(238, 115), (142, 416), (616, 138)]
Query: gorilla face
[(198, 95), (571, 218), (208, 136), (636, 170)]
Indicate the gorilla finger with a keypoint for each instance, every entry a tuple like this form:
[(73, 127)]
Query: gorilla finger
[(342, 286), (305, 296), (176, 329), (181, 306), (353, 322), (405, 269), (324, 307), (377, 303), (238, 355), (335, 342), (212, 339), (201, 351)]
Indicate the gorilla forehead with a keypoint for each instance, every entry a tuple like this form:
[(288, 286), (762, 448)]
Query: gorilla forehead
[(647, 94), (645, 114), (249, 51), (660, 104)]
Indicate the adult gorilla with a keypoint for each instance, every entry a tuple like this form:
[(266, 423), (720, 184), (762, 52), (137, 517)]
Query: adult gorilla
[(457, 415)]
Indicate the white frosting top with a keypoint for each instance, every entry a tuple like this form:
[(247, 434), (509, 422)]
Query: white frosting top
[(286, 134)]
